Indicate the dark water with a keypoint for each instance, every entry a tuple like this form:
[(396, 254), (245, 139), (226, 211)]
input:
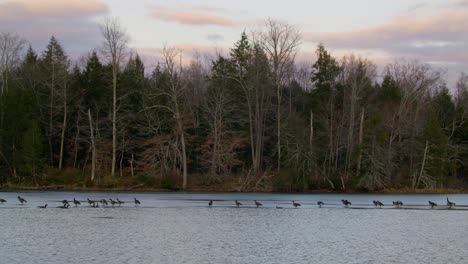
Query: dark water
[(180, 228)]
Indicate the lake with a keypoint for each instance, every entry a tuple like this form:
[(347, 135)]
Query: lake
[(181, 228)]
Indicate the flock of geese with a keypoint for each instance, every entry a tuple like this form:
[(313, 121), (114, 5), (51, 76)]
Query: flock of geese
[(136, 202), (92, 203), (346, 203)]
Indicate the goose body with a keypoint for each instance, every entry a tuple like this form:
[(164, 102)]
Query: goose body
[(238, 203), (432, 204), (112, 202), (119, 202), (90, 202), (22, 200), (136, 201), (296, 204), (378, 203), (346, 202), (76, 202), (257, 204), (64, 206), (3, 201), (320, 203), (449, 203)]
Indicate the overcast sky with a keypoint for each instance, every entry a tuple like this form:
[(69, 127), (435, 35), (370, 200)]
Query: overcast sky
[(435, 31)]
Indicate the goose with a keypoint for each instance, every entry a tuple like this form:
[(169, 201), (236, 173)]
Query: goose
[(76, 202), (296, 204), (238, 203), (95, 205), (378, 203), (3, 201), (104, 201), (136, 201), (346, 202), (90, 202), (22, 200), (42, 206), (450, 204), (210, 203), (257, 204), (397, 203), (64, 202), (64, 206), (119, 202), (112, 202), (432, 204), (320, 203)]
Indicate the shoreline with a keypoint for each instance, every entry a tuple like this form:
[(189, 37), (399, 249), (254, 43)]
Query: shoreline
[(140, 189)]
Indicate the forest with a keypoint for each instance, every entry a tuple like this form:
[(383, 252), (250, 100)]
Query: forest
[(253, 119)]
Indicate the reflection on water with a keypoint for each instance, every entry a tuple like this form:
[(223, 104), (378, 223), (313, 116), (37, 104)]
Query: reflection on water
[(181, 228)]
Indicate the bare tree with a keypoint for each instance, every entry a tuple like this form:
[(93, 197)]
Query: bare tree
[(11, 46), (114, 48), (281, 42)]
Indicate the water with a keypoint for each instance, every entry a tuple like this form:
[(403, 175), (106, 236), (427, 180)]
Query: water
[(180, 228)]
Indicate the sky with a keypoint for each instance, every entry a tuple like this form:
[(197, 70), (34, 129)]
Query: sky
[(384, 31)]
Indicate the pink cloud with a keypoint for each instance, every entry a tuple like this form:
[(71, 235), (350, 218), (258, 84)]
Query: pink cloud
[(444, 27), (198, 15), (51, 9)]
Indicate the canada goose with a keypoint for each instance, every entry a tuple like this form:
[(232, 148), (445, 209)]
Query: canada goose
[(112, 202), (257, 204), (238, 203), (320, 203), (76, 202), (432, 204), (64, 202), (378, 203), (210, 203), (22, 200), (42, 206), (449, 203), (119, 202), (104, 201), (90, 202), (64, 206), (3, 201), (374, 202), (346, 202), (136, 201), (296, 204), (397, 203)]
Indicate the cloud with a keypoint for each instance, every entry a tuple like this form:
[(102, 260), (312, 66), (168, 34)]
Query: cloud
[(215, 37), (71, 22), (443, 36), (198, 15), (12, 10)]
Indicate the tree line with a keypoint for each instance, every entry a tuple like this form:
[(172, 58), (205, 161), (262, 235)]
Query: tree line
[(253, 119)]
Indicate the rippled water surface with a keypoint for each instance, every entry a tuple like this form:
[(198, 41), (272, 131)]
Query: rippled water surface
[(181, 228)]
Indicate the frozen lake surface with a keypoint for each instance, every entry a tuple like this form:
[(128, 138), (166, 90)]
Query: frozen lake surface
[(181, 228)]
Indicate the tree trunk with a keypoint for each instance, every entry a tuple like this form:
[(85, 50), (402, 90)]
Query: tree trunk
[(278, 93), (64, 123), (416, 183), (184, 160), (361, 136), (51, 112), (93, 146), (114, 116)]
